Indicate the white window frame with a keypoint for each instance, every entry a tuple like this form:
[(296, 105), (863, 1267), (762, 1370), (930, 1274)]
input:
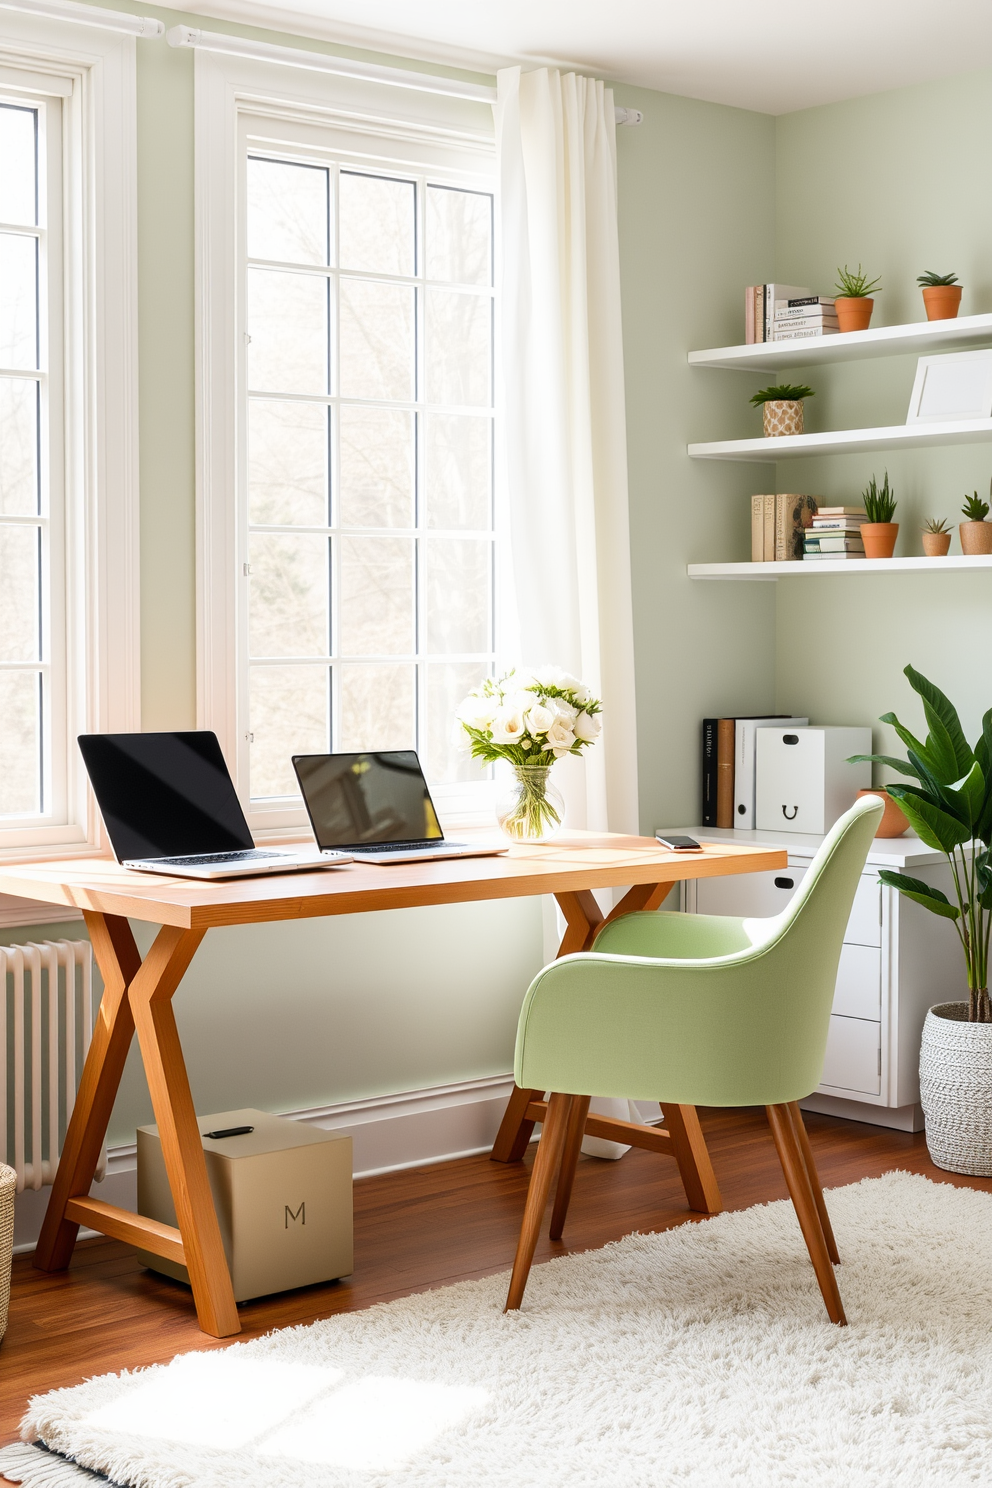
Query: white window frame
[(409, 126), (92, 71)]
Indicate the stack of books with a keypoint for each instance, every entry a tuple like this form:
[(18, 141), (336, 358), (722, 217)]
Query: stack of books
[(759, 308), (778, 524), (800, 318), (835, 533)]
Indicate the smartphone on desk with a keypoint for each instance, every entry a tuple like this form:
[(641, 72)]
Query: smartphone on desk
[(678, 844)]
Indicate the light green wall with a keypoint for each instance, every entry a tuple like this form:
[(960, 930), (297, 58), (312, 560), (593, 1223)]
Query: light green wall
[(901, 182), (696, 224)]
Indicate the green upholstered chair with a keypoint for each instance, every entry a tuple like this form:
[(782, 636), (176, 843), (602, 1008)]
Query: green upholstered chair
[(696, 1010)]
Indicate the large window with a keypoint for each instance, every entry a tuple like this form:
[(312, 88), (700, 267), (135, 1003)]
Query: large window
[(68, 423), (32, 674), (369, 562)]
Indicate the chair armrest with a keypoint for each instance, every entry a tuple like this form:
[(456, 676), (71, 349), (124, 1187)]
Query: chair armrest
[(678, 937)]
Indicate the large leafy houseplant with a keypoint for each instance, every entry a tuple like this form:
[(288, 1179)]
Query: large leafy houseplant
[(950, 808)]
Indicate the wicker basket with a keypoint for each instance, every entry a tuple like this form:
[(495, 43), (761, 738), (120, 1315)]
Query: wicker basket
[(8, 1183), (956, 1089)]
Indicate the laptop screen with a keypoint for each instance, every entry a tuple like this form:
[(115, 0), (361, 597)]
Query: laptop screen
[(164, 795), (357, 800)]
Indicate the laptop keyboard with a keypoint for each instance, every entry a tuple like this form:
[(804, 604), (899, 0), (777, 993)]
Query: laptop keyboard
[(387, 847), (247, 855)]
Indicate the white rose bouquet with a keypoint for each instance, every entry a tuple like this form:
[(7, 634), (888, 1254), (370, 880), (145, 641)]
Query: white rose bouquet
[(531, 719)]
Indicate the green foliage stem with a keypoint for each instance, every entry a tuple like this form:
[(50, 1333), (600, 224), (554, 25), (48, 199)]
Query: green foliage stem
[(783, 392), (856, 286), (880, 502)]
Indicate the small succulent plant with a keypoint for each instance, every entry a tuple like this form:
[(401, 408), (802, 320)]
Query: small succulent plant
[(975, 509), (785, 392), (880, 502), (936, 524), (853, 285), (930, 280)]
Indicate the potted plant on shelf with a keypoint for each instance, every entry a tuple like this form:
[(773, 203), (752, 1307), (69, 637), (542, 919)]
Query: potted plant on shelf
[(950, 808), (782, 408), (975, 533), (853, 302), (941, 295), (879, 532), (936, 537)]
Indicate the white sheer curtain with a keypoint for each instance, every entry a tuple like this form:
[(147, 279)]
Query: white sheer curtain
[(563, 412), (565, 454)]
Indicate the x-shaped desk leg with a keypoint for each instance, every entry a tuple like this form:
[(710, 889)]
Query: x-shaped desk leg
[(138, 998)]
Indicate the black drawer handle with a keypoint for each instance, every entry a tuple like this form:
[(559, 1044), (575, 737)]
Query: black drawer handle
[(785, 883)]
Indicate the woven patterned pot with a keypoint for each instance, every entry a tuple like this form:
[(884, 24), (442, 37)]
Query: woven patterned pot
[(956, 1089), (782, 416), (8, 1183)]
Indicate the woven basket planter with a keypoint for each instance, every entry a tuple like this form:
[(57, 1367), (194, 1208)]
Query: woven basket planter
[(782, 416), (8, 1184), (956, 1089)]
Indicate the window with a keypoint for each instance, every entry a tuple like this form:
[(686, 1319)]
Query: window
[(68, 416), (32, 676), (369, 492)]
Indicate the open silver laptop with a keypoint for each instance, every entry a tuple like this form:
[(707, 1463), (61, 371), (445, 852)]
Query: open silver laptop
[(376, 806), (169, 805)]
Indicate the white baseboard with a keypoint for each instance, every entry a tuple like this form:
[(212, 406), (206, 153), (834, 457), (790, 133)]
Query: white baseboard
[(898, 1118), (389, 1132)]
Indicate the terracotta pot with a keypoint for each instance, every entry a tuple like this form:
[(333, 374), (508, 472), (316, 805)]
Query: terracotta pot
[(879, 538), (936, 544), (782, 416), (976, 537), (893, 823), (942, 301), (854, 313)]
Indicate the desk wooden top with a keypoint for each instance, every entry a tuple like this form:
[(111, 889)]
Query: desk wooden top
[(575, 860)]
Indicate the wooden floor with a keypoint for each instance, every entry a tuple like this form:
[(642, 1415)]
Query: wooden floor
[(413, 1230)]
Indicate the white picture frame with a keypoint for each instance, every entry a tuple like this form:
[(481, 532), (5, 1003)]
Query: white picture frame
[(950, 388)]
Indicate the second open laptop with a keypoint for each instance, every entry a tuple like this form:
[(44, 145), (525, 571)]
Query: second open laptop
[(377, 807), (169, 806)]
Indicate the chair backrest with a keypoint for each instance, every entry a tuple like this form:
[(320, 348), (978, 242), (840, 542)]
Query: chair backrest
[(745, 1028)]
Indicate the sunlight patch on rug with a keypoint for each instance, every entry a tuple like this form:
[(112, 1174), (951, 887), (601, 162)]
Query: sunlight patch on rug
[(700, 1357)]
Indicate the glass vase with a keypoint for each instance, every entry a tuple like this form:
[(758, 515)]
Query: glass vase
[(530, 807)]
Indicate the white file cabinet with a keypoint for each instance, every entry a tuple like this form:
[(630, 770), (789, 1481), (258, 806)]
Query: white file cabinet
[(897, 960)]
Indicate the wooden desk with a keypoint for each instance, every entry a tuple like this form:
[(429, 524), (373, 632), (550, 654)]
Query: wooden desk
[(138, 998)]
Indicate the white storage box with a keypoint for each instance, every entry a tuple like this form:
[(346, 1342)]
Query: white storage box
[(803, 782), (283, 1195)]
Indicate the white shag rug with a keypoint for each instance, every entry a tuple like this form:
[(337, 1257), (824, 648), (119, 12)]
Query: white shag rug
[(701, 1357)]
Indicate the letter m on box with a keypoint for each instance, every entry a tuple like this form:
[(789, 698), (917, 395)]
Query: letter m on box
[(301, 1215)]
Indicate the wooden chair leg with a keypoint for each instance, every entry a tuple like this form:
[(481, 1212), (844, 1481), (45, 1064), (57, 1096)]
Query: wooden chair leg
[(693, 1158), (801, 1192), (548, 1153), (569, 1161), (814, 1181)]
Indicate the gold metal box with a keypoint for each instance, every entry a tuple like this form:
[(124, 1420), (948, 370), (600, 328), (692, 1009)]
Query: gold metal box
[(283, 1195)]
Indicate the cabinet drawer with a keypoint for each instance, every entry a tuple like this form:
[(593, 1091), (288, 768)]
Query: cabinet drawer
[(748, 896), (859, 982), (852, 1057), (865, 925)]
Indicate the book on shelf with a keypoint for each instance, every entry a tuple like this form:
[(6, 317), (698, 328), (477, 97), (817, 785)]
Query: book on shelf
[(838, 524), (841, 511), (792, 323), (804, 305), (826, 543), (808, 334), (806, 315), (719, 739), (763, 529), (834, 557), (793, 514), (759, 308), (744, 754)]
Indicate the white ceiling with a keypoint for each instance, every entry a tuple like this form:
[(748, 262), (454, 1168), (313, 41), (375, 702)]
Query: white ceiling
[(771, 55)]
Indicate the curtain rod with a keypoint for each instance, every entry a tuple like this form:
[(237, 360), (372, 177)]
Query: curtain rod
[(89, 15), (397, 77)]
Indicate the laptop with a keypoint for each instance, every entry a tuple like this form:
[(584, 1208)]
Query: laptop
[(376, 807), (169, 805)]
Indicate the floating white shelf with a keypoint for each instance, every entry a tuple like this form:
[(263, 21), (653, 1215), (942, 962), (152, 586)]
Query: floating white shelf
[(773, 571), (837, 441), (919, 338)]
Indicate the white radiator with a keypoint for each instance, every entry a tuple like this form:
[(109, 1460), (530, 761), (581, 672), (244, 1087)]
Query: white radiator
[(45, 1028)]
